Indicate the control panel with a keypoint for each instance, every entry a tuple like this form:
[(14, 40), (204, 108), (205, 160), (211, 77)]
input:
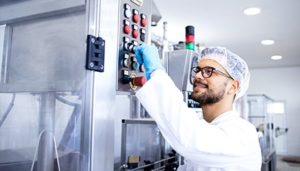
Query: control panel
[(134, 24)]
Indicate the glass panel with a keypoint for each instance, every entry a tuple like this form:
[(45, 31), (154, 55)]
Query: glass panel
[(41, 100), (260, 117)]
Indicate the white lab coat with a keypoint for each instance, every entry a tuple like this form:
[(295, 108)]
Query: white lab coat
[(228, 143)]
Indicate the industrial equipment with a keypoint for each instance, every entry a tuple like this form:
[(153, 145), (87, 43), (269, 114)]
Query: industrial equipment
[(67, 84), (261, 118)]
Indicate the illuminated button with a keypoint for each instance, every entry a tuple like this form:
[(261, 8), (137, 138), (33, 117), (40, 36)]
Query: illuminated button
[(135, 17), (139, 81), (143, 20)]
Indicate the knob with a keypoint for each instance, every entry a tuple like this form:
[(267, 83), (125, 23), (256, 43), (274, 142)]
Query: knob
[(139, 81)]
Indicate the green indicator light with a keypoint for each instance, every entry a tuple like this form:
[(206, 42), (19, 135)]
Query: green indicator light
[(190, 46)]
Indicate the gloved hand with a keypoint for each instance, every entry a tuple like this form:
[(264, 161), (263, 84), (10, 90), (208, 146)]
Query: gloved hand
[(148, 55)]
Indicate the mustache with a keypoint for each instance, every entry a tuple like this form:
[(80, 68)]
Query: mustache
[(199, 82)]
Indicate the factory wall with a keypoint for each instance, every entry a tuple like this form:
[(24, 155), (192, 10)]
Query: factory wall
[(281, 84)]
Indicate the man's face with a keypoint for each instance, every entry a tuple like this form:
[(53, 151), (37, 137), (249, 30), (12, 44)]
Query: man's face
[(210, 90)]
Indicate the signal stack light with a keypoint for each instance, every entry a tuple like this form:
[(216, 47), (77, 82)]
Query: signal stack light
[(190, 37)]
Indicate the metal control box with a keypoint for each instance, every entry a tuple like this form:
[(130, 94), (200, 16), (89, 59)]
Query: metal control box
[(134, 24), (179, 66)]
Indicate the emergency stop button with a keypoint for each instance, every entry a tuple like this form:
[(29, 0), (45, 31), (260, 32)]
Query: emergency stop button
[(139, 81)]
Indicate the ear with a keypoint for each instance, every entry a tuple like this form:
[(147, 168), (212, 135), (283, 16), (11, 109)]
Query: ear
[(234, 87)]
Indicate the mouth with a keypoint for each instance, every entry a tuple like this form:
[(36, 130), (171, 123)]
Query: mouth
[(198, 84)]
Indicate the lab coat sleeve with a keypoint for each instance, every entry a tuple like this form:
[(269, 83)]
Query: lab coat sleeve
[(184, 131)]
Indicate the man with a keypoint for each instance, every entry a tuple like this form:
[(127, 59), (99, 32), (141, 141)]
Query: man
[(220, 141)]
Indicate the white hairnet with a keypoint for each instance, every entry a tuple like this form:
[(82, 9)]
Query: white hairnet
[(236, 67)]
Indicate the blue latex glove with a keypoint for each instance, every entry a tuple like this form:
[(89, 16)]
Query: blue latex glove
[(148, 55)]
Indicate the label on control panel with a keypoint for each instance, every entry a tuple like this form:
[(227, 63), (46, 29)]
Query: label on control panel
[(138, 2)]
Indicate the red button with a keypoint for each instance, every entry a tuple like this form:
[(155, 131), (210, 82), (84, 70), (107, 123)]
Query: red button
[(126, 29), (144, 22), (135, 18), (135, 33), (139, 81)]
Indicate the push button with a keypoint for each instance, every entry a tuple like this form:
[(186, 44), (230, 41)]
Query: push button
[(143, 20), (127, 11), (126, 43), (142, 69), (135, 32), (139, 81), (143, 34), (135, 16), (126, 27), (125, 60)]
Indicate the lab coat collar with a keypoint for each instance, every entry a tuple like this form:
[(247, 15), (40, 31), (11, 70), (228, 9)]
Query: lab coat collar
[(224, 116)]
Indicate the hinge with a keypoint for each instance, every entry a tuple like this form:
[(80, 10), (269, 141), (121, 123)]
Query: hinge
[(95, 53)]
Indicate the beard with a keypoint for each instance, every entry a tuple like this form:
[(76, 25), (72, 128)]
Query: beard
[(210, 96)]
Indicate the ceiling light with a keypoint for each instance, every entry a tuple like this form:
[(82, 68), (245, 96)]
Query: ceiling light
[(276, 57), (267, 42), (252, 11)]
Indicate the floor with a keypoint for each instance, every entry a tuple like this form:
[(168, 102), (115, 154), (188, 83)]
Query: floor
[(286, 166)]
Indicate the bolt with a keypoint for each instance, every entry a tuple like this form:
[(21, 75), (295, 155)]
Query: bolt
[(93, 40), (92, 64)]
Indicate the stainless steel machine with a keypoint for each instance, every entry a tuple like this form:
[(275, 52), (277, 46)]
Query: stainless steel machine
[(67, 84)]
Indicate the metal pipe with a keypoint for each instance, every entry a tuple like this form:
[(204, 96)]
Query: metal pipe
[(45, 159), (11, 104)]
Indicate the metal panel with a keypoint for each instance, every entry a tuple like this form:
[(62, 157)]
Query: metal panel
[(2, 33), (45, 55), (106, 26), (45, 61), (179, 65), (29, 9), (141, 138)]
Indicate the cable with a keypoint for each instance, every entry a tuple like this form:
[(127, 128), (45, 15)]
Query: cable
[(11, 104), (65, 101)]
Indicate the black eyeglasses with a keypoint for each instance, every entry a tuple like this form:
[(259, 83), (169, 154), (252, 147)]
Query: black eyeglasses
[(206, 72)]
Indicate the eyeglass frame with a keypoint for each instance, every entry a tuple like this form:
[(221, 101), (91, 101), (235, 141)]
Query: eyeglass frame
[(202, 73)]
